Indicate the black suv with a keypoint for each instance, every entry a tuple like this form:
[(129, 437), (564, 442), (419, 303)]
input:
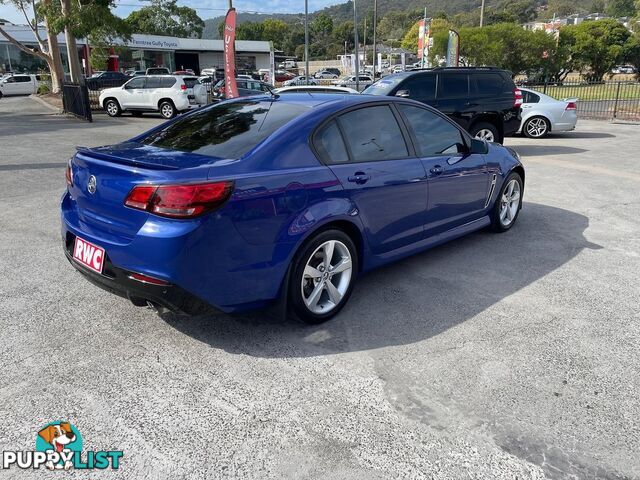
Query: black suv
[(483, 100)]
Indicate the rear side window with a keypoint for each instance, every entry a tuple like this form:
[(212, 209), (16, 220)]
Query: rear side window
[(454, 85), (420, 87), (167, 82), (226, 130), (329, 143), (153, 82), (190, 82), (530, 97), (434, 134), (488, 84), (373, 133)]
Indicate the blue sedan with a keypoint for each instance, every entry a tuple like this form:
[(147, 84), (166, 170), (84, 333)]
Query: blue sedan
[(290, 197)]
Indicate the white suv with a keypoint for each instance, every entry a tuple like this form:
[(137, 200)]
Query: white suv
[(167, 94)]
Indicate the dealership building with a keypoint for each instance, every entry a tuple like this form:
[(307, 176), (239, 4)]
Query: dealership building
[(138, 53)]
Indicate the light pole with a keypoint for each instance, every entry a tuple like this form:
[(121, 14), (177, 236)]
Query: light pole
[(306, 42), (375, 27), (355, 41), (481, 13)]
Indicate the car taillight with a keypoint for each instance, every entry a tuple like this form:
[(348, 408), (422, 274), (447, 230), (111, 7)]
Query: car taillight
[(571, 106), (179, 201), (518, 97), (69, 174), (183, 87)]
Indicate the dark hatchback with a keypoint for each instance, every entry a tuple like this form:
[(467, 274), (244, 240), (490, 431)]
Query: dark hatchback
[(484, 100)]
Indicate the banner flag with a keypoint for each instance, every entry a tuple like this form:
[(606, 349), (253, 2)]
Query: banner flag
[(453, 49), (230, 86)]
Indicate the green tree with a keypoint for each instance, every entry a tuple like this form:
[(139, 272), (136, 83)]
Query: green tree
[(410, 39), (343, 32), (631, 52), (621, 8), (166, 17), (275, 31), (596, 47)]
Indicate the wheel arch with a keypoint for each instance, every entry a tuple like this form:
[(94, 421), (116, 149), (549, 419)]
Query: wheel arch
[(519, 169), (165, 99), (106, 99)]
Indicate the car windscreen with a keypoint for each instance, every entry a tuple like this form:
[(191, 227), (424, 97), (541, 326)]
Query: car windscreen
[(383, 86), (226, 130)]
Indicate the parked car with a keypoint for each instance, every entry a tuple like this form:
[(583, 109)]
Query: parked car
[(542, 114), (288, 64), (158, 71), (100, 80), (315, 89), (18, 84), (283, 76), (186, 71), (300, 80), (327, 188), (215, 73), (483, 100), (135, 73), (326, 74), (398, 69), (245, 88), (628, 69), (167, 94), (208, 82), (350, 80)]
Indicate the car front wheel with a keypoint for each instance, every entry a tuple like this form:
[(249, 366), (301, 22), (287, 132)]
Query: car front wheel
[(323, 275), (112, 108), (167, 110)]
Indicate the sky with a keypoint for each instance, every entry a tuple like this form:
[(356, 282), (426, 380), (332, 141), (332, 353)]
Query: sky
[(205, 8)]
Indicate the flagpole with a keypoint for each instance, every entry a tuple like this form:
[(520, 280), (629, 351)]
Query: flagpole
[(355, 41), (375, 27), (306, 41)]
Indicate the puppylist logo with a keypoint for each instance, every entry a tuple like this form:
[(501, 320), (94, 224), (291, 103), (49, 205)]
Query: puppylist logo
[(59, 447)]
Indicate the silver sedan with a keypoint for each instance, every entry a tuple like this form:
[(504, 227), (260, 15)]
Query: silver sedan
[(542, 114)]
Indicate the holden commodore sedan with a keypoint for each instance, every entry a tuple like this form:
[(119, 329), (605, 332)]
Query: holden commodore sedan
[(291, 197)]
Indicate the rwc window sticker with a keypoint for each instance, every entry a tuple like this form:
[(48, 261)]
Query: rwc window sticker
[(59, 447)]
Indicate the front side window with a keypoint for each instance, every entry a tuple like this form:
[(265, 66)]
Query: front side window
[(434, 134), (373, 133), (136, 83), (22, 79), (420, 87), (226, 130)]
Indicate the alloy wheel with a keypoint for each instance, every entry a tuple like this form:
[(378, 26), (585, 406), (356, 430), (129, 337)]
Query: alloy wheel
[(509, 203), (112, 108), (536, 127), (486, 135), (326, 278), (167, 110)]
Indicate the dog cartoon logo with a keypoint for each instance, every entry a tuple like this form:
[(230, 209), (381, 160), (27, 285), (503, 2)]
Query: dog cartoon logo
[(64, 439)]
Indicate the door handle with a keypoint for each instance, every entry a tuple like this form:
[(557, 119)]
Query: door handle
[(436, 170), (359, 178)]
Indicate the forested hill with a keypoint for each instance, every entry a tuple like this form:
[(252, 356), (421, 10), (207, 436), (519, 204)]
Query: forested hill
[(344, 11)]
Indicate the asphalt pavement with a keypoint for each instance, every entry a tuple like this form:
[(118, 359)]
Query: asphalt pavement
[(492, 357)]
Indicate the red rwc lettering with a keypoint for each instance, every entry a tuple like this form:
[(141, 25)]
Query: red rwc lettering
[(88, 254)]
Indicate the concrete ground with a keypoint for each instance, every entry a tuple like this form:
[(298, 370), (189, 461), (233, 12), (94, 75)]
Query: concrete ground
[(495, 356)]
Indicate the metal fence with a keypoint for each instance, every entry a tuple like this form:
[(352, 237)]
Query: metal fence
[(598, 100), (95, 89), (75, 100)]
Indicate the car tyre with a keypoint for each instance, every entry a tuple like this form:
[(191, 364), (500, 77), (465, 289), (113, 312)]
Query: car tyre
[(112, 107), (536, 127), (486, 131), (167, 109), (508, 204), (320, 286)]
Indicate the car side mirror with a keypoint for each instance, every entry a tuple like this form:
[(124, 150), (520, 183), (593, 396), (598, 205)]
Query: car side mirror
[(402, 93), (478, 147)]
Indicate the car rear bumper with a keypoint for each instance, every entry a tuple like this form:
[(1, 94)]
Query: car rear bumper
[(119, 282)]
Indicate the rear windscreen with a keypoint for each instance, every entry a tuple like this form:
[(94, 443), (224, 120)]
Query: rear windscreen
[(384, 86), (190, 82), (226, 130)]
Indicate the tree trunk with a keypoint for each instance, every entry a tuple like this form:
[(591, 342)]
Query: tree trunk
[(54, 60), (72, 50)]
